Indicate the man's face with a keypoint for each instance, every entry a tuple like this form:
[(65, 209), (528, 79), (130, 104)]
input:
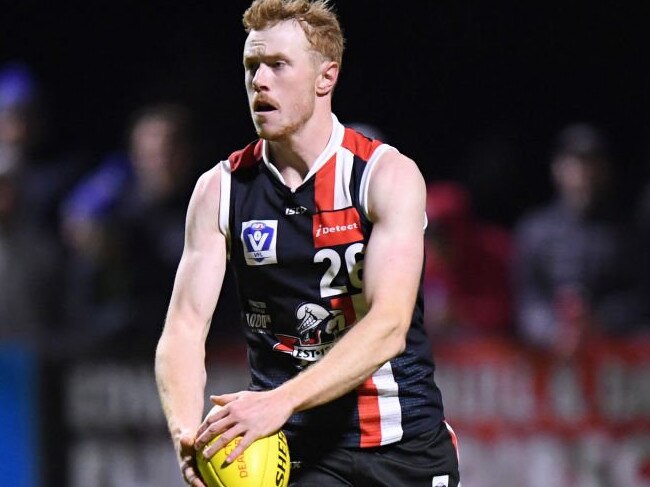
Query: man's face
[(159, 154), (14, 127), (580, 181), (281, 72), (152, 144)]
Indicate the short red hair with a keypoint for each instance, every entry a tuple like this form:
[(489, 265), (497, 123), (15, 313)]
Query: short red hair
[(317, 19)]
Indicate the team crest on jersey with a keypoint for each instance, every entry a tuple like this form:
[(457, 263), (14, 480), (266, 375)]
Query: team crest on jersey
[(259, 238), (318, 329)]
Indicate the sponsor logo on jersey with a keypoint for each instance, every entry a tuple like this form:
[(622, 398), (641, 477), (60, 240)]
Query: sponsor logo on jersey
[(257, 318), (440, 481), (337, 227), (259, 238), (296, 210), (318, 329)]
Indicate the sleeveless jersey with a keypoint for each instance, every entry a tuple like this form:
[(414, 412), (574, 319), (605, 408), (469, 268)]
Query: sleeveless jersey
[(298, 258)]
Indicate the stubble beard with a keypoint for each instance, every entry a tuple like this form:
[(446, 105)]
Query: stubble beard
[(304, 109)]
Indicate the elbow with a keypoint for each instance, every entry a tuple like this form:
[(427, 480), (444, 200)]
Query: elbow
[(162, 357), (388, 331), (399, 344), (178, 344), (165, 345), (396, 342)]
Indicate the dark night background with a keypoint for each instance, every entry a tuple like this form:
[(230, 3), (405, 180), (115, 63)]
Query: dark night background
[(471, 90)]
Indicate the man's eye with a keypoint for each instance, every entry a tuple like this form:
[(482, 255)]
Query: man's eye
[(279, 64)]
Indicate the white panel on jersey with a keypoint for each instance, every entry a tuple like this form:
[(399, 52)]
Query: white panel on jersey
[(342, 177), (224, 200), (390, 410), (365, 178)]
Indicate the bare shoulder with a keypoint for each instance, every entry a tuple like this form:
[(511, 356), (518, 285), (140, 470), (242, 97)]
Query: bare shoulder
[(208, 186), (396, 182), (204, 204)]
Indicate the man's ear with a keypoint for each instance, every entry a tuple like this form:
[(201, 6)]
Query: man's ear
[(329, 74)]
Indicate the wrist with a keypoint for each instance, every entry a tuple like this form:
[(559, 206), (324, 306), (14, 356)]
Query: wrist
[(287, 394), (180, 436)]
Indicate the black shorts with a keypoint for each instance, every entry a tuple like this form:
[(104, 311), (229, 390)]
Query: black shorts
[(429, 460)]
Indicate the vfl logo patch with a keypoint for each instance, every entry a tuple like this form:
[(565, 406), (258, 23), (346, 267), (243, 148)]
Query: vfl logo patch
[(259, 238), (338, 227)]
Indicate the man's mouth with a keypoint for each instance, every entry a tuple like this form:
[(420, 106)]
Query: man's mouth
[(263, 106)]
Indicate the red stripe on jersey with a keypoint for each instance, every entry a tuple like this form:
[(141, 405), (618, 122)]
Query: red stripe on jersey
[(324, 186), (359, 144), (344, 303), (286, 343), (247, 156), (369, 415)]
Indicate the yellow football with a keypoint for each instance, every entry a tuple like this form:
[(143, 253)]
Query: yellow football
[(265, 463)]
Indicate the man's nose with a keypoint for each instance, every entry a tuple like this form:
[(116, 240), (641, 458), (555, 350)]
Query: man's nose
[(260, 80)]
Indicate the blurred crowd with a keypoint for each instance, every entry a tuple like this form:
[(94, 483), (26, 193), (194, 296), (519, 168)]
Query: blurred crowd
[(89, 248), (569, 271)]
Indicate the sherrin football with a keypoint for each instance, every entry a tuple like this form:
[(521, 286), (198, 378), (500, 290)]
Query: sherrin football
[(265, 463)]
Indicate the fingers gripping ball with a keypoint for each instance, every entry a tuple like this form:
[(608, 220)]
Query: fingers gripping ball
[(265, 463)]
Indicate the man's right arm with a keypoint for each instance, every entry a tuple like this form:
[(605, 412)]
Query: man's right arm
[(180, 355)]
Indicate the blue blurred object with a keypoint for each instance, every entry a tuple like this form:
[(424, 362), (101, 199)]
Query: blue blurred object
[(19, 455), (95, 196), (17, 86)]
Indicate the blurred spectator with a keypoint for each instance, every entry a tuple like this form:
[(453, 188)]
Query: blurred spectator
[(124, 226), (29, 299), (19, 122), (467, 273), (43, 181), (578, 269)]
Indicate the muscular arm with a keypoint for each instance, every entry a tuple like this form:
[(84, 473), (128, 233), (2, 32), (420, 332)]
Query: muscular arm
[(180, 356), (392, 268)]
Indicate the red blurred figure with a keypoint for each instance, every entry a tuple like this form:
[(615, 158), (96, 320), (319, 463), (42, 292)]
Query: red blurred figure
[(467, 277)]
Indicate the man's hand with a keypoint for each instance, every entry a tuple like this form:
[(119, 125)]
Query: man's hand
[(251, 415), (188, 462)]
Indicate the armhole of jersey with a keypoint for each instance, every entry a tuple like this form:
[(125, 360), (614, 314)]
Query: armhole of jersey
[(365, 178), (224, 201)]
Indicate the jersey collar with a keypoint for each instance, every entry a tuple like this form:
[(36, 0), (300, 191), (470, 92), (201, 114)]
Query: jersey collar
[(335, 141)]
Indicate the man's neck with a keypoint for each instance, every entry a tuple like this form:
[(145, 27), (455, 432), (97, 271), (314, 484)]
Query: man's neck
[(295, 155)]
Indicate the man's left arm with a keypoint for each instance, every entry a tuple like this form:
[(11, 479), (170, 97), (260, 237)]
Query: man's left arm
[(392, 267)]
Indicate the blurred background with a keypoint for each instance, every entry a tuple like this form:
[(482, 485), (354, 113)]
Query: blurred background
[(530, 124)]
